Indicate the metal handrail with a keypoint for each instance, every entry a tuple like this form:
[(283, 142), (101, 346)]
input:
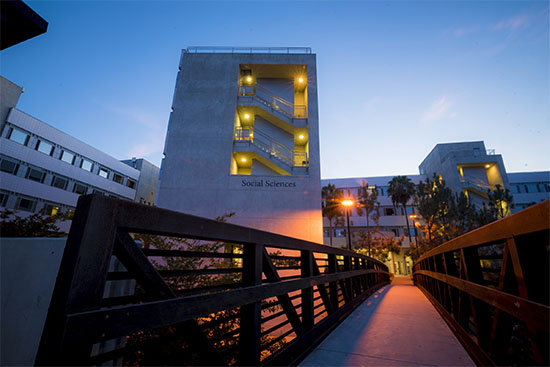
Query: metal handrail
[(475, 181), (269, 98), (165, 322), (491, 286), (271, 146), (248, 50)]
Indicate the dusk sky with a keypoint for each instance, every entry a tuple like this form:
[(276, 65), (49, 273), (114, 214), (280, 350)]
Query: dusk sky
[(394, 78)]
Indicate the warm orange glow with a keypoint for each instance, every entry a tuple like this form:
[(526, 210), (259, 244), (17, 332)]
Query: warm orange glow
[(246, 116), (301, 137), (249, 79), (300, 80), (412, 216), (243, 159), (348, 202), (487, 166)]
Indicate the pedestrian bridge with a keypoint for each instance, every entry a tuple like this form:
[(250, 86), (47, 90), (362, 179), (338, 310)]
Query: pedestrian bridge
[(145, 286)]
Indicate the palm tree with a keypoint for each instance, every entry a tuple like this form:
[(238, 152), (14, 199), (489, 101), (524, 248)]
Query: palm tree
[(401, 190), (368, 201), (331, 205)]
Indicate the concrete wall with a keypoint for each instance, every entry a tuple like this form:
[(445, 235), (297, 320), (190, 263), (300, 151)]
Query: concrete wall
[(28, 273), (10, 93), (195, 175), (148, 180)]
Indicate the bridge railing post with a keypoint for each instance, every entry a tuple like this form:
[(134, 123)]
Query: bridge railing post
[(306, 265), (251, 314)]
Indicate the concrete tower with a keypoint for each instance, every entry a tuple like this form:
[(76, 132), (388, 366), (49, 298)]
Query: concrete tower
[(243, 137)]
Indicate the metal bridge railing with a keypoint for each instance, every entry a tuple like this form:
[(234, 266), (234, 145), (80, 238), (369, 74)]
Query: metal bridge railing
[(208, 292), (249, 50), (491, 286)]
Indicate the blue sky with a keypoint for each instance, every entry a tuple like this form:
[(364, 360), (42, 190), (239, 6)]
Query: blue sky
[(395, 78)]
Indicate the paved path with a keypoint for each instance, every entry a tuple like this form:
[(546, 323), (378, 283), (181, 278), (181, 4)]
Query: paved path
[(396, 326)]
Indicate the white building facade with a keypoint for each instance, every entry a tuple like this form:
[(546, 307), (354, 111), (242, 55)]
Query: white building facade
[(43, 168), (243, 137)]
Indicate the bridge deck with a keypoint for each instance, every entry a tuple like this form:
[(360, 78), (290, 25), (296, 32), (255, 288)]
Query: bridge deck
[(395, 326)]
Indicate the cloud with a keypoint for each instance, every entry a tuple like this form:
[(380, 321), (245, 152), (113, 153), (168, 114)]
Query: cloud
[(462, 31), (513, 24), (368, 105), (438, 110), (153, 127)]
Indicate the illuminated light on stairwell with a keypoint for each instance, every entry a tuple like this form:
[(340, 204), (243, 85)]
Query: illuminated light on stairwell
[(243, 159), (301, 137), (300, 80), (249, 79), (246, 116)]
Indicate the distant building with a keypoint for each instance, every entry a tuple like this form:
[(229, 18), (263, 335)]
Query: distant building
[(243, 137), (148, 180), (42, 168), (466, 167)]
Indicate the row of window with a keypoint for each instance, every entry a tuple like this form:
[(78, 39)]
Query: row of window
[(33, 204), (20, 136), (341, 232), (529, 188), (13, 166)]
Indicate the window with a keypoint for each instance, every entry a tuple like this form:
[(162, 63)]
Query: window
[(103, 172), (68, 157), (60, 182), (18, 136), (86, 165), (395, 232), (70, 214), (326, 232), (131, 183), (44, 147), (9, 166), (3, 198), (96, 191), (339, 232), (25, 204), (51, 209), (80, 189), (388, 211), (118, 178), (518, 189), (36, 174)]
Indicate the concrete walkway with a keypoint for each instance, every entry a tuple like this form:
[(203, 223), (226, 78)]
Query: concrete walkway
[(396, 326)]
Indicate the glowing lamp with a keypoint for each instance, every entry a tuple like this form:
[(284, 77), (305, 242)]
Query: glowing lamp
[(249, 79), (348, 202), (412, 216), (300, 80), (487, 166), (301, 137), (246, 115), (243, 159)]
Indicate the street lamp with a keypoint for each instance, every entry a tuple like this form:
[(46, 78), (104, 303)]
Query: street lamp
[(413, 217), (348, 203)]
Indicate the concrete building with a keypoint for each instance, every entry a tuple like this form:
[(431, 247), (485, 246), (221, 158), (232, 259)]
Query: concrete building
[(146, 191), (467, 167), (243, 137), (42, 168)]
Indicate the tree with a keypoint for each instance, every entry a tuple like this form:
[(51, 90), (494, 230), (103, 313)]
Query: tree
[(500, 201), (433, 201), (331, 205), (401, 190), (38, 224), (368, 201)]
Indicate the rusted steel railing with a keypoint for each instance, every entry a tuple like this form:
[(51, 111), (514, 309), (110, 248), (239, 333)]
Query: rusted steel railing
[(491, 286), (207, 292)]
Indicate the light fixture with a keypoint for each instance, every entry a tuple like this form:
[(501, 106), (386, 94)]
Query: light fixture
[(243, 159), (300, 80), (348, 202), (249, 79), (301, 137), (487, 166), (246, 116), (251, 135)]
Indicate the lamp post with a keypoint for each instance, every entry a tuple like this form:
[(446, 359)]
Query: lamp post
[(347, 204), (413, 217)]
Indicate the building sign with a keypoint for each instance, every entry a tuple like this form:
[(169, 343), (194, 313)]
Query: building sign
[(267, 183)]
